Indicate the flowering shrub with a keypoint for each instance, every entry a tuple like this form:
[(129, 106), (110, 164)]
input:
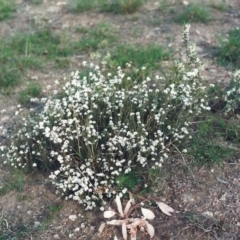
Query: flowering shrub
[(232, 94), (106, 125)]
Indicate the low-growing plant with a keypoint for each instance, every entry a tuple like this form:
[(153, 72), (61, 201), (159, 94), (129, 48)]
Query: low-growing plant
[(229, 50), (205, 224), (102, 35), (33, 90), (120, 6), (108, 123), (15, 181), (9, 77), (232, 96), (7, 7), (48, 216), (208, 153), (194, 13), (211, 138), (155, 21), (29, 51), (167, 7), (79, 6), (218, 5)]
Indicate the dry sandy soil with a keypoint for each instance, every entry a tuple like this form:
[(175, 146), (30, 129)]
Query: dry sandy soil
[(207, 202)]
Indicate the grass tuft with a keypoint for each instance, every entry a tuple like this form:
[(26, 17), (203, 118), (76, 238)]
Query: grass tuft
[(229, 50), (194, 13), (210, 144), (7, 7), (33, 90), (15, 181), (101, 36), (79, 6), (218, 5), (120, 6)]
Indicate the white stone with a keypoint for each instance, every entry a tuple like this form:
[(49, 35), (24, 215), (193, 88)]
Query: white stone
[(56, 236), (207, 214)]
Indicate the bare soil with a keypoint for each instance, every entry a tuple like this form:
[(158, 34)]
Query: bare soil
[(207, 201)]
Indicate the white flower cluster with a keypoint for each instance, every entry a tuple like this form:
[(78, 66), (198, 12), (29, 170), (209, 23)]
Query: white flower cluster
[(233, 93), (105, 125)]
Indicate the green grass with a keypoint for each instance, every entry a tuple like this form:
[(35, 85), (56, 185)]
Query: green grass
[(229, 49), (220, 6), (15, 181), (49, 216), (194, 13), (155, 21), (79, 6), (33, 90), (148, 56), (101, 36), (210, 142), (30, 51), (120, 6), (7, 7), (129, 181), (115, 6)]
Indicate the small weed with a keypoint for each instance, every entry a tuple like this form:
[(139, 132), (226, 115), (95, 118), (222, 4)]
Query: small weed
[(121, 6), (81, 29), (23, 197), (134, 17), (49, 216), (154, 21), (33, 90), (62, 62), (46, 223), (9, 76), (79, 6), (7, 7), (207, 153), (166, 7), (100, 36), (229, 50), (210, 227), (220, 6), (230, 130), (194, 13), (129, 181), (55, 208), (137, 32), (206, 147), (15, 181)]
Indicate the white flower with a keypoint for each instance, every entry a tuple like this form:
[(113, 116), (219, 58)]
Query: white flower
[(72, 217)]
